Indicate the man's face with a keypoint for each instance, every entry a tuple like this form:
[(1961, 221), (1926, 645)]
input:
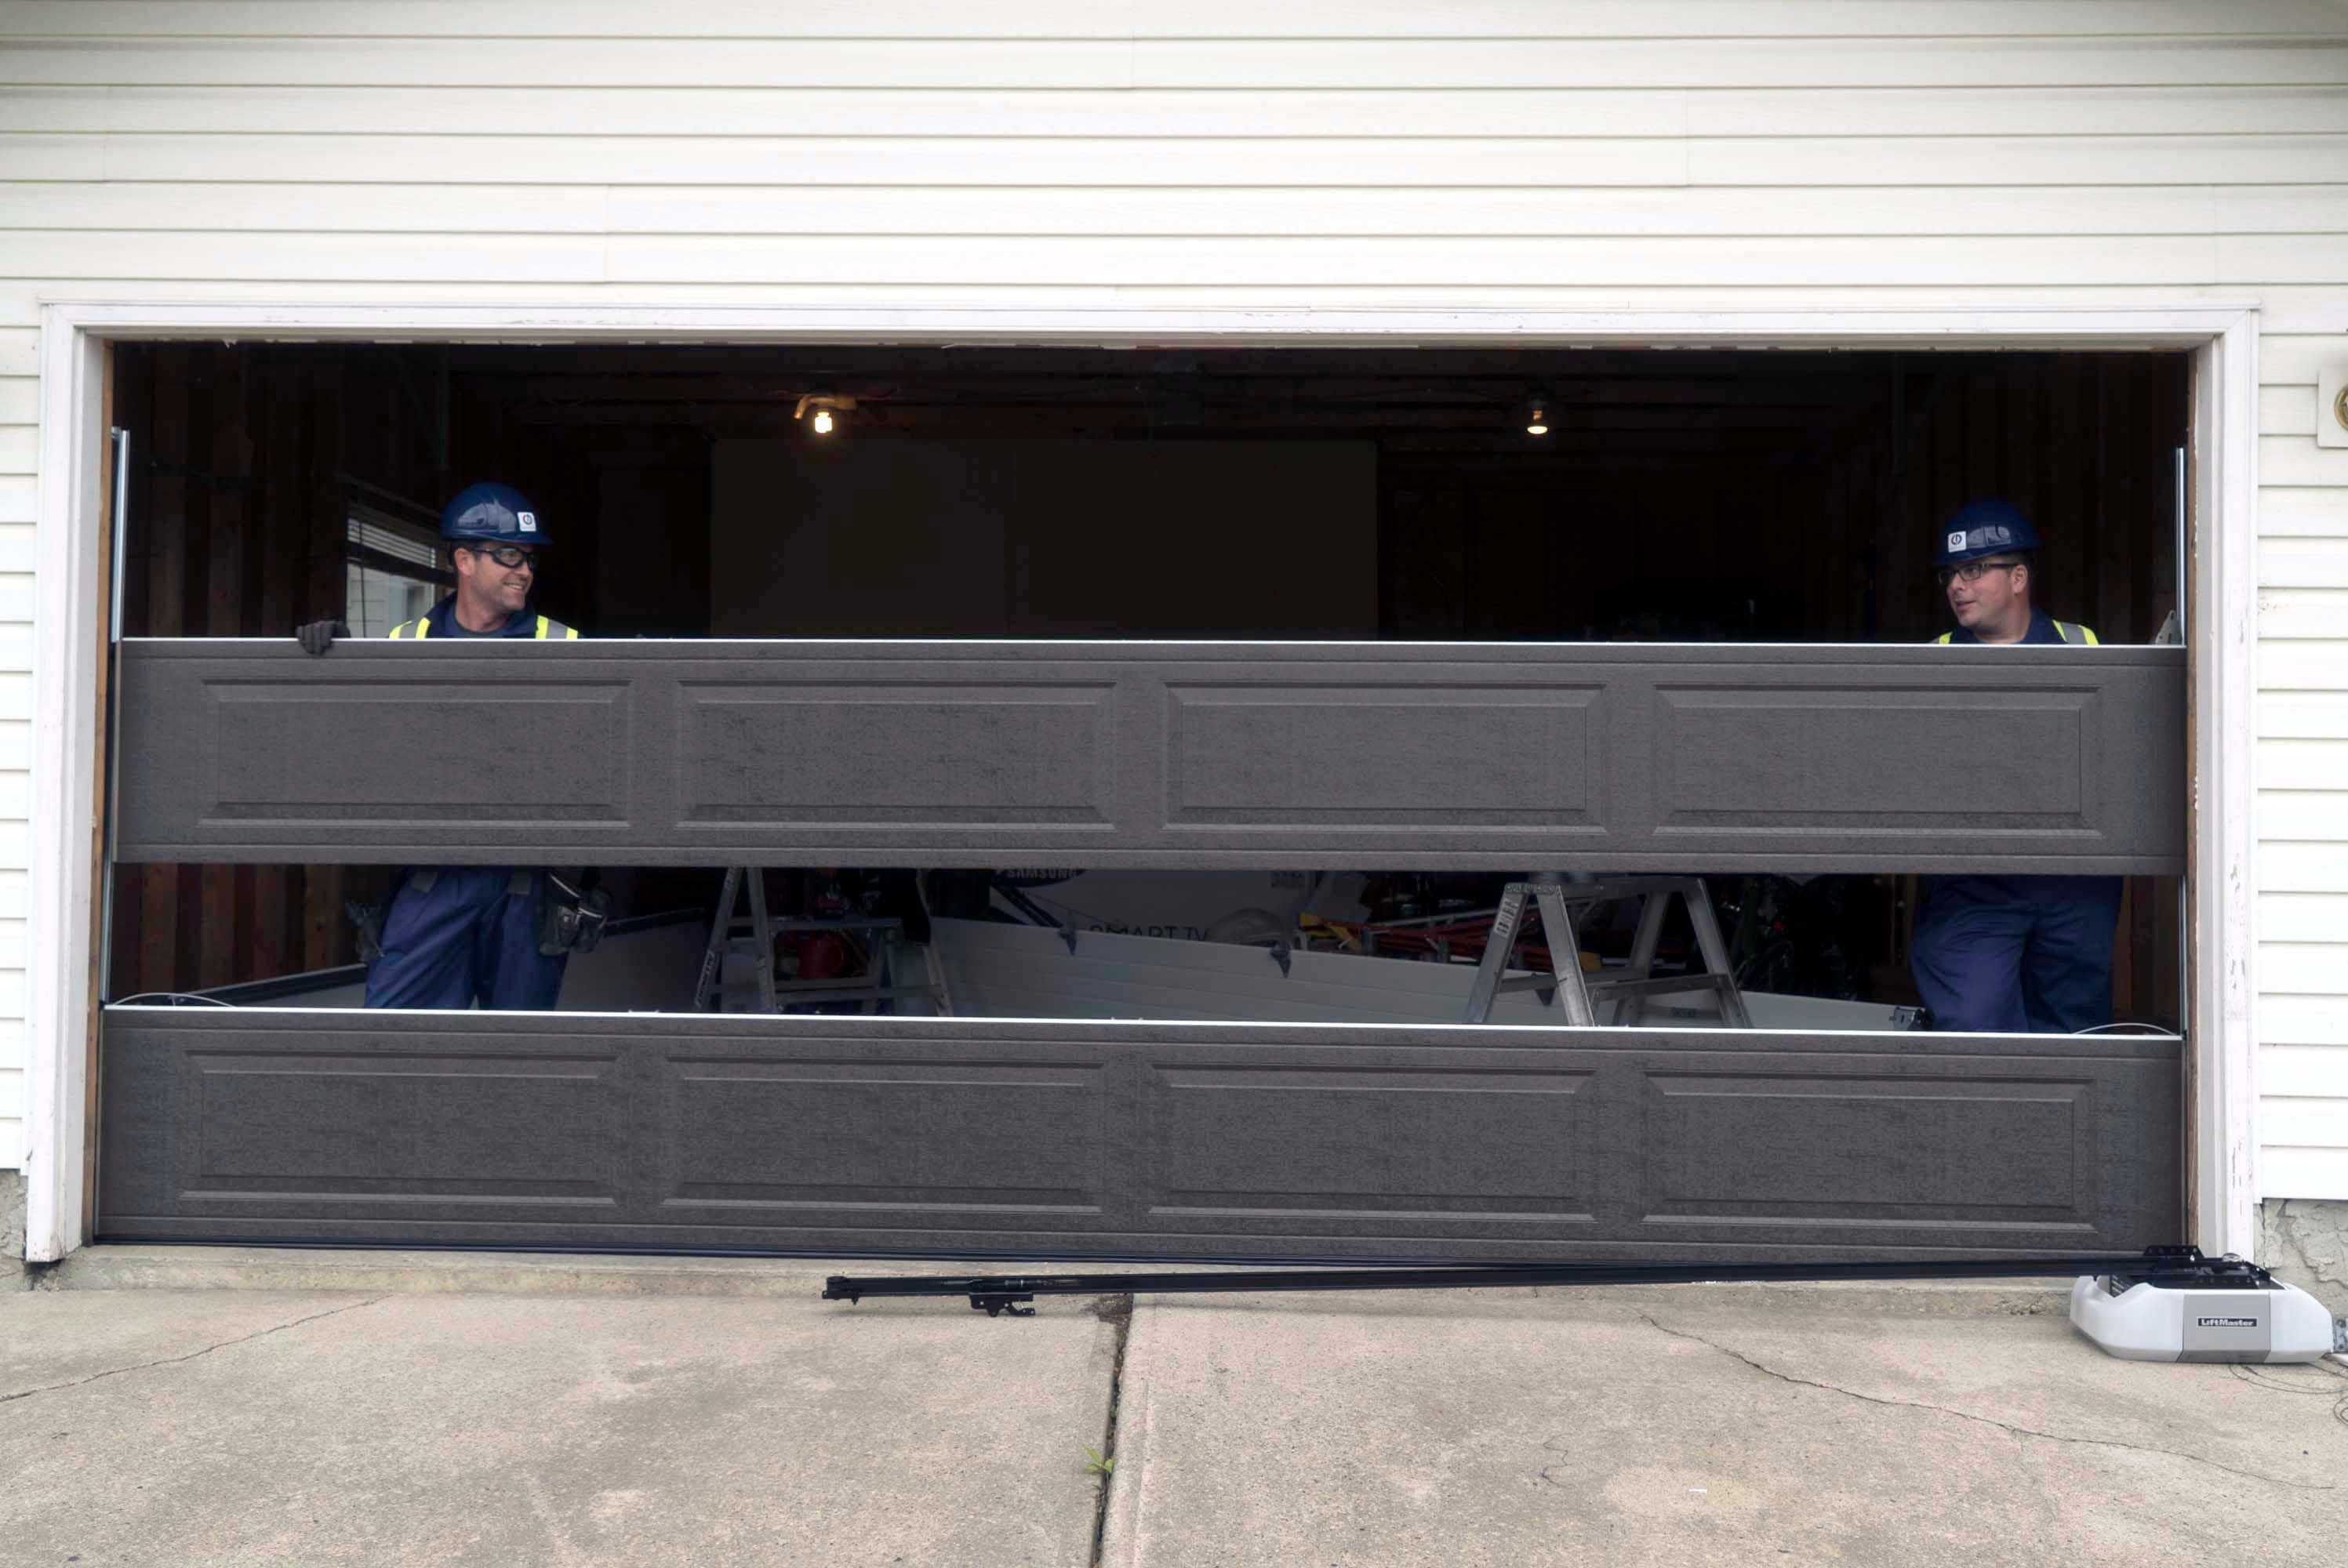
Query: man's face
[(492, 581), (1989, 599)]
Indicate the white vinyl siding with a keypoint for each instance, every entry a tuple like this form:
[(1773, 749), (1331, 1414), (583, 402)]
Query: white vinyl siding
[(2303, 773), (1508, 154)]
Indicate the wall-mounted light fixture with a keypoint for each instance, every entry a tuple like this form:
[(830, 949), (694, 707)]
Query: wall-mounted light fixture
[(2332, 405), (1536, 414), (826, 407)]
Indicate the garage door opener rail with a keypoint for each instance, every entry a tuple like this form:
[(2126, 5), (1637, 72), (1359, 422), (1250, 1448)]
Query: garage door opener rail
[(2168, 1268), (2164, 1303)]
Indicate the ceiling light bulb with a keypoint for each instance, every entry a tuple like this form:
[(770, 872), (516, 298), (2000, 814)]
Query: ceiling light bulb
[(826, 407), (1537, 423)]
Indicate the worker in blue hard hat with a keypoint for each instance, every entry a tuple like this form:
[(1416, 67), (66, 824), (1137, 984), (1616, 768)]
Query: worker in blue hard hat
[(454, 936), (1983, 561), (493, 538), (2010, 954)]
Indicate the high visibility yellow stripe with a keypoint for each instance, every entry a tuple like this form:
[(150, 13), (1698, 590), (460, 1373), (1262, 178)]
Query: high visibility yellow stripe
[(423, 628), (2062, 629)]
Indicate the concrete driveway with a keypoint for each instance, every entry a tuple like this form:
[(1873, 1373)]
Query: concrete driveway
[(639, 1413), (1706, 1426)]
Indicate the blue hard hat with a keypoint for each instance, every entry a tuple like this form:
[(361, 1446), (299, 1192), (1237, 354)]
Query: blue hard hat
[(1983, 528), (498, 514)]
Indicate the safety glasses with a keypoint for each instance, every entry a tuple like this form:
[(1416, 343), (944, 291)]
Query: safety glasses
[(1971, 570), (506, 556)]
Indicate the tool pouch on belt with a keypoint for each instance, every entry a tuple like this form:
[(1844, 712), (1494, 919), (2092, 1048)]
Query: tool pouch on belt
[(571, 919)]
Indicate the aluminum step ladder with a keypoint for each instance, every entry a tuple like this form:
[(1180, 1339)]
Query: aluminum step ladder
[(723, 931), (1555, 900)]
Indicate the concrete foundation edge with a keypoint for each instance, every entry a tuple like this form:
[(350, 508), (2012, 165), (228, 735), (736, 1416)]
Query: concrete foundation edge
[(2305, 1242), (11, 1226)]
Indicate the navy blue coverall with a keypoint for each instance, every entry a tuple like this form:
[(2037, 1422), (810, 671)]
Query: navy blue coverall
[(2018, 954), (458, 934)]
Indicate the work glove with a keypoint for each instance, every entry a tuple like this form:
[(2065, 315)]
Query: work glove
[(319, 635)]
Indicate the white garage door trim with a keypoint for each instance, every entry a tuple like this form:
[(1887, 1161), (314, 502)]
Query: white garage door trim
[(2221, 1146)]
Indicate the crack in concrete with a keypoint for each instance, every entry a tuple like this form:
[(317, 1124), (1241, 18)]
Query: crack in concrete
[(1117, 1311), (175, 1361), (2009, 1427)]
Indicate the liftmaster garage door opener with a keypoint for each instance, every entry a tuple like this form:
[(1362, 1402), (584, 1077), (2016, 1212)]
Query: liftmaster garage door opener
[(2163, 1304), (2257, 1319)]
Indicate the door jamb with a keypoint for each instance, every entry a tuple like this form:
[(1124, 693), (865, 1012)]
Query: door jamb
[(2221, 1055), (69, 601), (2221, 843)]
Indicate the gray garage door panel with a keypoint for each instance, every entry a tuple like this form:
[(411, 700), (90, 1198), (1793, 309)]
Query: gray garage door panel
[(1202, 755), (1088, 1139)]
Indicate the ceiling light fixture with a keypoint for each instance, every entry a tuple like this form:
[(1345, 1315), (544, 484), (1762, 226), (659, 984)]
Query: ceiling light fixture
[(1536, 414), (827, 406)]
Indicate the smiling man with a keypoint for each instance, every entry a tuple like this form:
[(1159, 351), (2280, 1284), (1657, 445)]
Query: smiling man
[(466, 936), (2010, 954), (493, 540)]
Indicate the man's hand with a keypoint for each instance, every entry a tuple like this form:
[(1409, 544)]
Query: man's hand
[(319, 635)]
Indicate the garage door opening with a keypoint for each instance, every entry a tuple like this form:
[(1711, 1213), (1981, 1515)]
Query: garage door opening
[(1149, 740), (1687, 497)]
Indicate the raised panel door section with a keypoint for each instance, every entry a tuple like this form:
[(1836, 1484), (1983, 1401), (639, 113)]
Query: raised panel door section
[(1810, 1151), (580, 726), (2043, 762), (1330, 764), (255, 760), (1275, 1147), (959, 1137), (786, 757), (1571, 757), (396, 1125), (1838, 758), (742, 1137)]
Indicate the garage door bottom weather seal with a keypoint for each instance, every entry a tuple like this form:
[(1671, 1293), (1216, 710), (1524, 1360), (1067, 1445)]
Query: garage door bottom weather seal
[(2170, 1268)]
